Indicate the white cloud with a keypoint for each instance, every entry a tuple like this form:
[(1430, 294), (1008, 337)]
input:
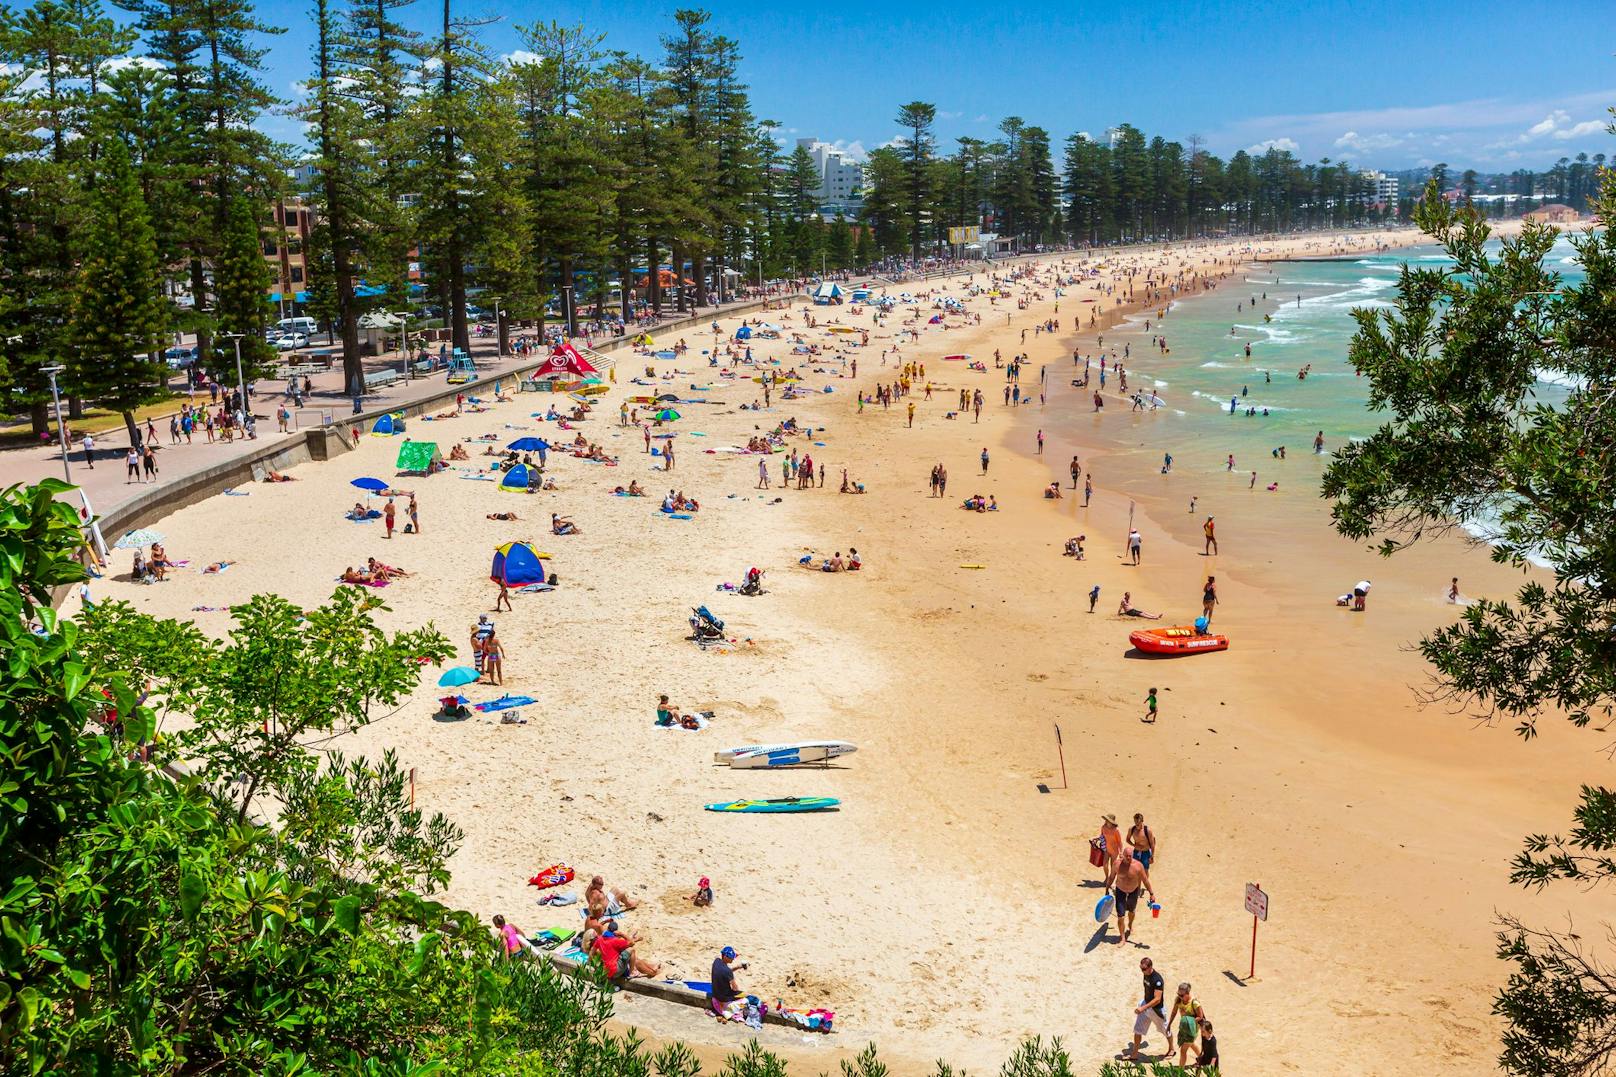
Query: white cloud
[(1287, 144), (949, 115), (981, 118), (1370, 141), (853, 149), (521, 56), (1546, 125), (1581, 130)]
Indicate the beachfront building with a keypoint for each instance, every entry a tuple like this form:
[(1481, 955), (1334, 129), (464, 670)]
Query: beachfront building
[(841, 180), (1381, 188), (285, 246), (1554, 213)]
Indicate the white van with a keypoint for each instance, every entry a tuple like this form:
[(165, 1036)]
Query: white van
[(306, 326)]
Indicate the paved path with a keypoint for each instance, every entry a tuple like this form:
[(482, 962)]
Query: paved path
[(105, 483)]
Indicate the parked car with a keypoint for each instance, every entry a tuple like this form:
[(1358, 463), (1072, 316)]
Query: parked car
[(291, 341), (179, 358)]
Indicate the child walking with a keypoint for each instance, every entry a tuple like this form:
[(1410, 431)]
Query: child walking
[(1150, 706)]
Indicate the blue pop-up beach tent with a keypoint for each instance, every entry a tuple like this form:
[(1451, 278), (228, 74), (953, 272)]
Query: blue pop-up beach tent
[(515, 479), (744, 333), (517, 564)]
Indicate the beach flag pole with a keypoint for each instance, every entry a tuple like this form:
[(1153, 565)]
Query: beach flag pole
[(1061, 748)]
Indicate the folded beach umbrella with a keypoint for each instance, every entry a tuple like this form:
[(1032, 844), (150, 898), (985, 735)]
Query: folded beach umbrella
[(528, 445), (134, 540), (458, 676), (368, 483), (667, 415)]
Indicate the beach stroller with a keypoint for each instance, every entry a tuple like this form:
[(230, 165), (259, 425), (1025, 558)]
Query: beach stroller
[(753, 584), (704, 627)]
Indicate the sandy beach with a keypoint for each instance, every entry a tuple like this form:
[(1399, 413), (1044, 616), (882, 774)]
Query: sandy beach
[(945, 911)]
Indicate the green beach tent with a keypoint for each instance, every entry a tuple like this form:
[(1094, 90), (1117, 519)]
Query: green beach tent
[(418, 456)]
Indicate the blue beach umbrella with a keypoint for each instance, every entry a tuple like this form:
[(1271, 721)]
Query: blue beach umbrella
[(528, 444), (373, 485), (458, 676)]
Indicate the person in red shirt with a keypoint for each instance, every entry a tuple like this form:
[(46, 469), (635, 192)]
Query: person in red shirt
[(617, 954)]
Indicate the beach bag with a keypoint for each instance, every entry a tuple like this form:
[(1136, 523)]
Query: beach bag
[(1097, 852), (554, 875)]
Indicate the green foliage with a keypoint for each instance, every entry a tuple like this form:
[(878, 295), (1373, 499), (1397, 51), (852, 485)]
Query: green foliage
[(1455, 366), (241, 280), (119, 315)]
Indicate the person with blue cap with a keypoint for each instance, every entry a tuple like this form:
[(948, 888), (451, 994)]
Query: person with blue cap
[(724, 989)]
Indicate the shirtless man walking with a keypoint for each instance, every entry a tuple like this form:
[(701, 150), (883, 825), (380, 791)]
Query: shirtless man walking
[(1131, 875)]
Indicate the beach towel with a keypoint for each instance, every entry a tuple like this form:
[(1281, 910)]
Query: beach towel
[(554, 875), (505, 703), (237, 493), (559, 898), (535, 587), (369, 583), (479, 478), (373, 514), (677, 515)]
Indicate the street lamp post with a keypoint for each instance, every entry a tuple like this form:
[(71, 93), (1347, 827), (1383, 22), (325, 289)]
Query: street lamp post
[(566, 299), (61, 427), (403, 317), (241, 383), (499, 337)]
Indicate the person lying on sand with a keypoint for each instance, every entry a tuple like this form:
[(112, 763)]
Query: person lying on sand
[(560, 525), (216, 568), (353, 575), (379, 571), (503, 516), (1126, 609), (279, 476), (450, 414), (358, 512)]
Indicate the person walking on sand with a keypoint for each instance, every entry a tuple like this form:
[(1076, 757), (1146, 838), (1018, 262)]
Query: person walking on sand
[(1209, 597), (1076, 470), (1141, 841), (763, 474), (1094, 596), (1453, 592), (1040, 443), (1111, 846), (1131, 877), (942, 481), (1150, 707), (494, 658), (1185, 1021), (984, 460), (911, 414), (1088, 488), (1149, 1013), (1209, 533), (1252, 485), (503, 599), (388, 514), (1135, 541), (415, 515)]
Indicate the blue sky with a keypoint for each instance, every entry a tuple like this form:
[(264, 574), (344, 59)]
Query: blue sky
[(1491, 85)]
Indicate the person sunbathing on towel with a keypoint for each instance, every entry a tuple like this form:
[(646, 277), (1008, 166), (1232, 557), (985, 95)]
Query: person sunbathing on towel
[(279, 476), (560, 525), (1127, 609), (379, 571), (635, 489), (353, 575), (216, 568), (357, 512), (503, 516)]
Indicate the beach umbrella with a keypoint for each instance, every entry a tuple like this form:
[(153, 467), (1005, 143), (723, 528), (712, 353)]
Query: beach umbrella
[(367, 483), (134, 540), (528, 445), (459, 676), (666, 415)]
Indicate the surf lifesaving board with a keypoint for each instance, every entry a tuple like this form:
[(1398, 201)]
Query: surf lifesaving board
[(783, 755), (782, 804)]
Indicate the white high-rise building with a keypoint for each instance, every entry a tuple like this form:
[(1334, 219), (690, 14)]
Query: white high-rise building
[(1385, 187), (840, 180)]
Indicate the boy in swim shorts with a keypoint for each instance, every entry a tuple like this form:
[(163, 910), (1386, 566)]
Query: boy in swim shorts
[(1150, 706)]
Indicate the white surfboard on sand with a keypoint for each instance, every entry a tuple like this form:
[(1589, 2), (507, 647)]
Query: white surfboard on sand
[(758, 756)]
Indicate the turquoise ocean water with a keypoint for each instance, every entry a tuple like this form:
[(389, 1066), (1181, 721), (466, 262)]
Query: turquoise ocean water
[(1308, 323)]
